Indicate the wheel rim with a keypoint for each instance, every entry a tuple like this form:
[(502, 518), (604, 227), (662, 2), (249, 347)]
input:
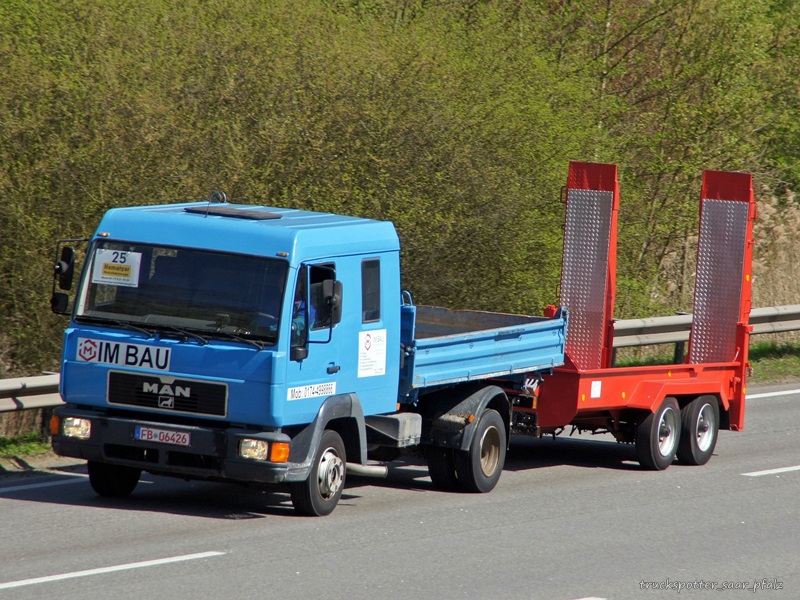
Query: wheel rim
[(490, 451), (704, 428), (330, 474), (667, 427)]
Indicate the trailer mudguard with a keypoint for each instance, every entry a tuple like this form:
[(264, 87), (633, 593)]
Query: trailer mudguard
[(450, 416)]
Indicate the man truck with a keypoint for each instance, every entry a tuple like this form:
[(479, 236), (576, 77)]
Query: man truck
[(262, 345)]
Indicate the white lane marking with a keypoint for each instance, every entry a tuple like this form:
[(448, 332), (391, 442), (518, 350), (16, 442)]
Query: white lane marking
[(772, 394), (103, 570), (76, 478), (772, 471), (34, 486)]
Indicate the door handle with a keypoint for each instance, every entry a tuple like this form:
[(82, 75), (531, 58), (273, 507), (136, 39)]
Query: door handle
[(333, 369)]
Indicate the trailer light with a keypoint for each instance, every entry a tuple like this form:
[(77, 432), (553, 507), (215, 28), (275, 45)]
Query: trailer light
[(280, 452), (77, 428), (255, 449)]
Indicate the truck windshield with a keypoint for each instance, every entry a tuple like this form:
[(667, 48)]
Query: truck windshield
[(196, 293)]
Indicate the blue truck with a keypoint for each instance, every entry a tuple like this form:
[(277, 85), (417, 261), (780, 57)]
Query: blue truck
[(262, 345)]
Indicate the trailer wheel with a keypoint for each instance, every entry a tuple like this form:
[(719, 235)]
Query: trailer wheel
[(318, 495), (657, 436), (699, 430), (113, 481), (478, 469), (441, 467)]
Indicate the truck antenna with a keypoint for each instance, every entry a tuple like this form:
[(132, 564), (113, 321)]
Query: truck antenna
[(216, 197)]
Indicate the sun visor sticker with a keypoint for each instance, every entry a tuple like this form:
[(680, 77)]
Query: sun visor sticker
[(116, 267)]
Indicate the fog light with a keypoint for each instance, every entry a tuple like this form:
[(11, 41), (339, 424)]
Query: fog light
[(77, 428), (255, 449)]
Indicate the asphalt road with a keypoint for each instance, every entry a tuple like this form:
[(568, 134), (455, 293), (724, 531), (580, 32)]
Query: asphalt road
[(571, 518)]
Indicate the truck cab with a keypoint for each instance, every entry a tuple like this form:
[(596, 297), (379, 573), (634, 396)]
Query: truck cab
[(203, 334)]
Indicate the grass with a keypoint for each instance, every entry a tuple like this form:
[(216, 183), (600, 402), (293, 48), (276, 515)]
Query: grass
[(27, 444), (775, 363), (772, 362)]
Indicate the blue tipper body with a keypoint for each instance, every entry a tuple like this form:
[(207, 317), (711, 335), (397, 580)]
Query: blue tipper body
[(218, 380)]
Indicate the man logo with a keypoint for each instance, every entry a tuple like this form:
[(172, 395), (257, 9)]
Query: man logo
[(166, 393)]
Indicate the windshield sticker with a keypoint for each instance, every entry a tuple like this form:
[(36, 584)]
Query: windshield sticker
[(129, 355), (372, 353), (116, 267)]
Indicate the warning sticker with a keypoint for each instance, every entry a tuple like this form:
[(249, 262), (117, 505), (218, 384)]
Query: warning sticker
[(116, 267), (372, 353)]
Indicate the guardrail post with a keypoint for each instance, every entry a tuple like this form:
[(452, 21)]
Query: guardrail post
[(680, 353)]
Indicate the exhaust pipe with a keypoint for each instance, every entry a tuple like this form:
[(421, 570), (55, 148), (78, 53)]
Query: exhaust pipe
[(380, 471)]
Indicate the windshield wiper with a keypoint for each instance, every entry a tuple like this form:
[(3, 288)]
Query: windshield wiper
[(185, 332), (239, 338), (123, 324)]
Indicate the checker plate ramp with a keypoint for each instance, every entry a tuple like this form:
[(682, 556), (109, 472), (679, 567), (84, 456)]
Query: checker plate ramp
[(720, 263), (584, 275)]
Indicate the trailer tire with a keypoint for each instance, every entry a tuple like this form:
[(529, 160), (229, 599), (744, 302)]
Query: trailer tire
[(699, 430), (478, 469), (441, 467), (318, 495), (113, 481), (657, 436)]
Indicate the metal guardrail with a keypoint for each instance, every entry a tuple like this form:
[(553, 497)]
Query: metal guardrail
[(674, 330), (24, 393)]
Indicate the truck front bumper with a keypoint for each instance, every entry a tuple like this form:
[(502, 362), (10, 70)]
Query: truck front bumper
[(212, 453)]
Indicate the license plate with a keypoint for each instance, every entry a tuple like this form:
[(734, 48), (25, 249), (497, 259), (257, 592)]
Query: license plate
[(164, 436)]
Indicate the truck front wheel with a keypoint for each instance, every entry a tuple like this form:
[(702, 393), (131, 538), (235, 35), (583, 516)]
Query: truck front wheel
[(318, 495), (478, 469), (113, 481)]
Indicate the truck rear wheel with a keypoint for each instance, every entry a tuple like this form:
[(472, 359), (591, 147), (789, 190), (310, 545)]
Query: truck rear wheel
[(318, 495), (441, 467), (113, 481), (657, 436), (478, 469), (699, 430)]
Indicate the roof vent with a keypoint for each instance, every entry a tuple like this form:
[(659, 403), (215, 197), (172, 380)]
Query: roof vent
[(238, 212)]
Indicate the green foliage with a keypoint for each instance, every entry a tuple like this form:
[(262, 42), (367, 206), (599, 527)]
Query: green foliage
[(454, 119), (23, 445)]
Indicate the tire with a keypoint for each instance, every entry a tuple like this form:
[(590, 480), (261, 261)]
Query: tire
[(478, 469), (318, 495), (113, 481), (699, 430), (442, 467), (657, 436)]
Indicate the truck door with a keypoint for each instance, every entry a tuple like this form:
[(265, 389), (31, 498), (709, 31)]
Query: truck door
[(314, 372)]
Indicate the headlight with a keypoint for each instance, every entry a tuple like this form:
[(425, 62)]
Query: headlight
[(277, 452), (77, 428), (255, 449)]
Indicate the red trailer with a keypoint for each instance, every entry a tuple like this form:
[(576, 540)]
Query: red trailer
[(666, 410)]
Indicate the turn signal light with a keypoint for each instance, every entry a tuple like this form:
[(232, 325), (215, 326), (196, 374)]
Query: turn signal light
[(279, 452)]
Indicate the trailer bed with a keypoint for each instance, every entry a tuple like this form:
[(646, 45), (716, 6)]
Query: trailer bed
[(443, 346)]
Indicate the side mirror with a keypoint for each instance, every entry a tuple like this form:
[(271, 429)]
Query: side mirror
[(59, 302), (298, 353), (65, 267), (332, 290)]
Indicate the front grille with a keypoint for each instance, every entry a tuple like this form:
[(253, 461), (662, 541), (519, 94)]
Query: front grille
[(168, 394)]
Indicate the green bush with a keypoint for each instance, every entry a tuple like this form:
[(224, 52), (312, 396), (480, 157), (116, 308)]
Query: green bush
[(454, 119)]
